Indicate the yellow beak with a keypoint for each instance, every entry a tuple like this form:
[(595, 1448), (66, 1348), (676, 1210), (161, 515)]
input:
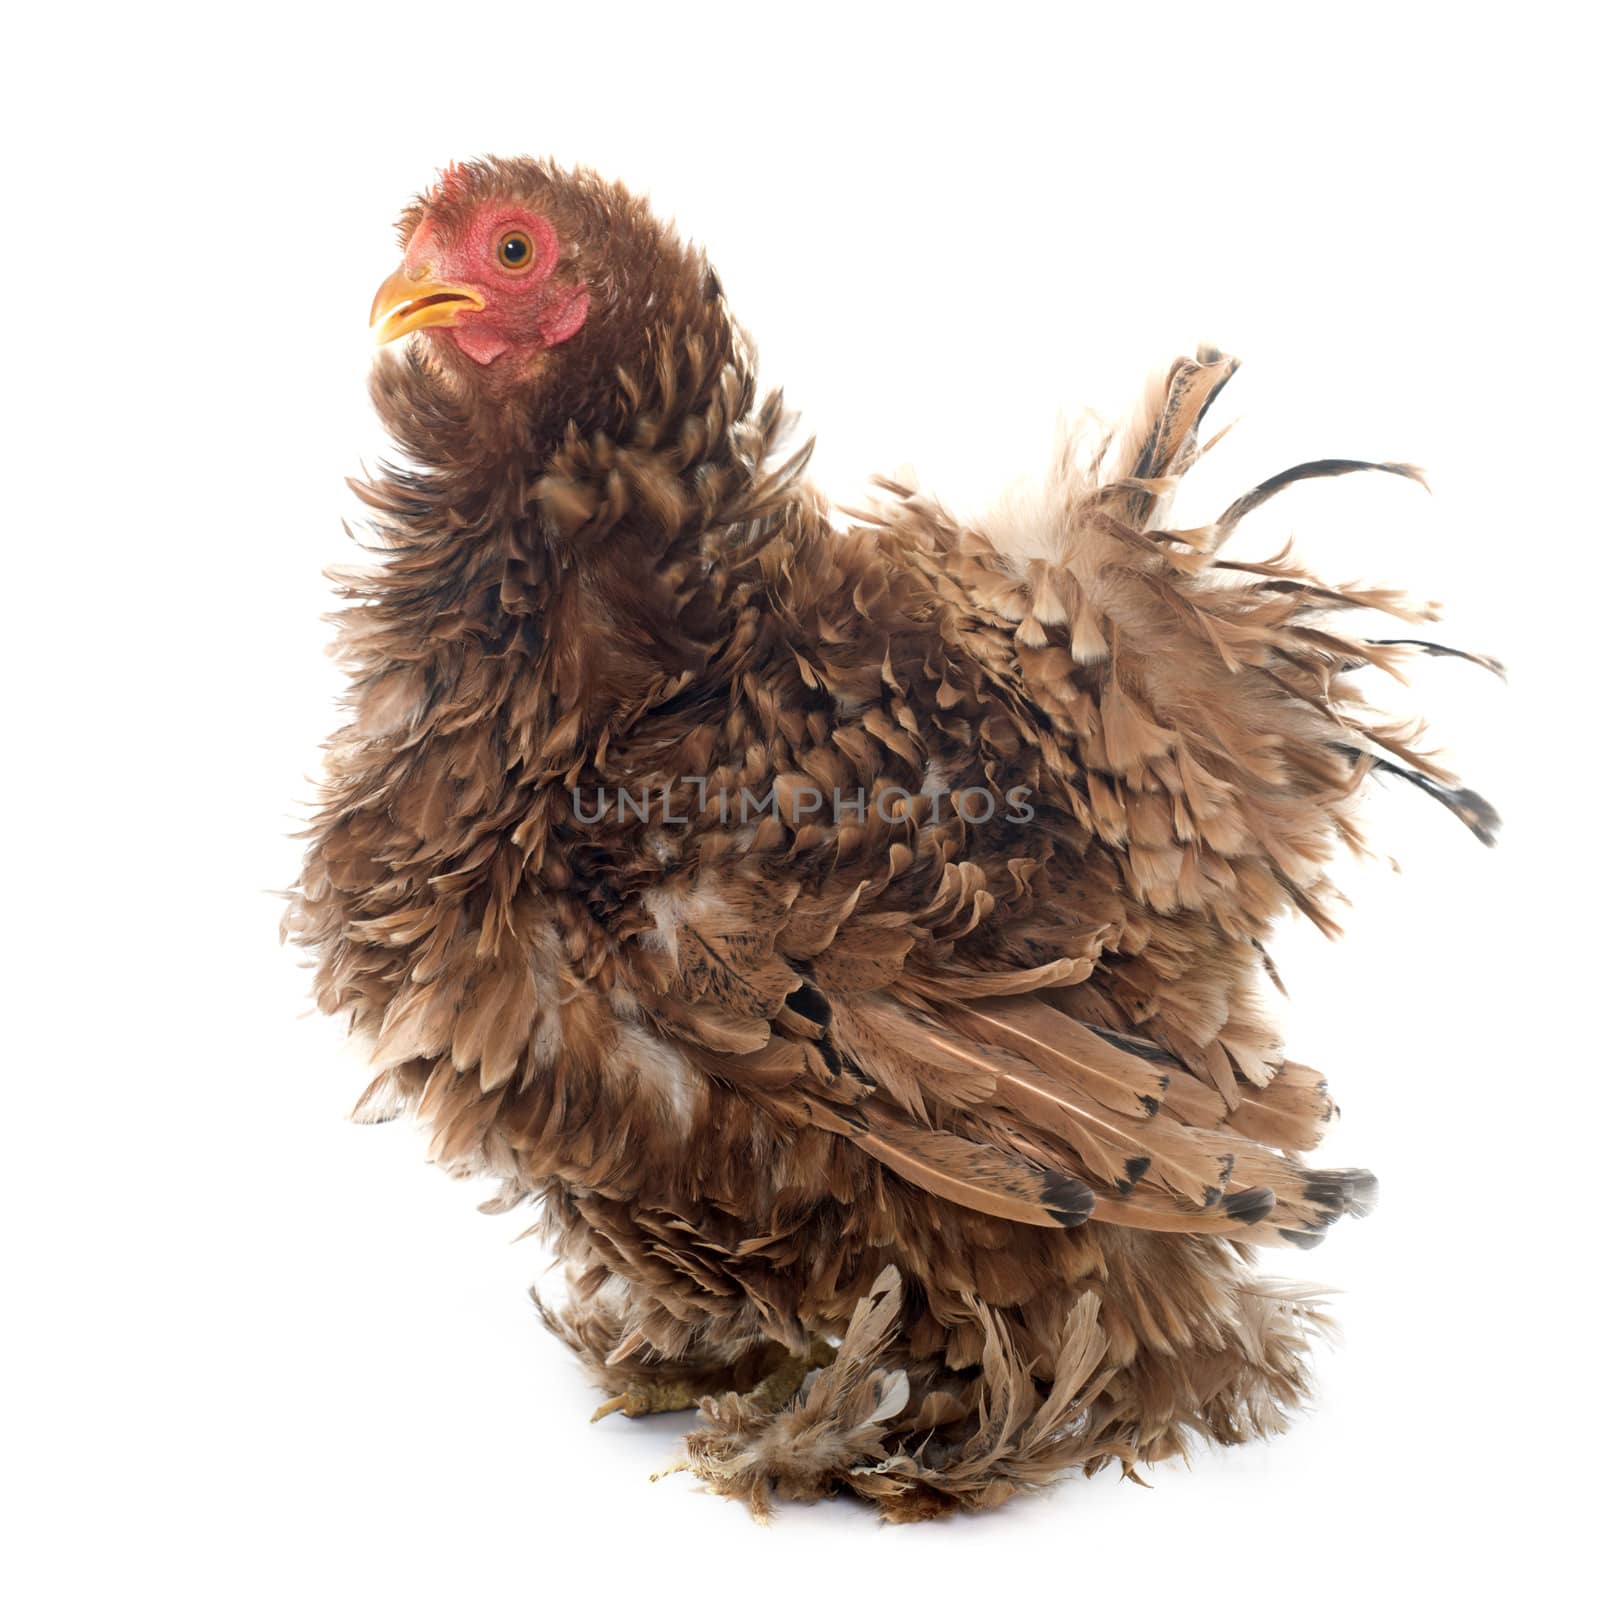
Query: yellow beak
[(413, 298)]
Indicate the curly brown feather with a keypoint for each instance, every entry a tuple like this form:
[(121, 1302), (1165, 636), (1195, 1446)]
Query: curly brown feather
[(763, 1069)]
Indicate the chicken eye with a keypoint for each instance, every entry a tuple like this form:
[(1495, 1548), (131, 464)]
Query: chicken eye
[(514, 252)]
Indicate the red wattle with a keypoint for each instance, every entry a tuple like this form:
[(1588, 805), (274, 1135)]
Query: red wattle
[(482, 344)]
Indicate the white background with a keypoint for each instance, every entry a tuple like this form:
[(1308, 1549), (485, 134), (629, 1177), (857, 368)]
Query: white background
[(255, 1349)]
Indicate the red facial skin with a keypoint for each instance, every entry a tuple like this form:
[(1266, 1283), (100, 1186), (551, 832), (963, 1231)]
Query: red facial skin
[(526, 310)]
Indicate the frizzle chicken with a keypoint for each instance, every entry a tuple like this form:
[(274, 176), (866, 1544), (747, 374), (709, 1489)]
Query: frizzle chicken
[(851, 940)]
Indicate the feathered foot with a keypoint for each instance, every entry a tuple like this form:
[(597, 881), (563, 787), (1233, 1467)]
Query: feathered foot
[(789, 1372), (780, 1382), (920, 1441)]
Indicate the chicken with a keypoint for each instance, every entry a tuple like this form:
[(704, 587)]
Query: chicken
[(851, 939)]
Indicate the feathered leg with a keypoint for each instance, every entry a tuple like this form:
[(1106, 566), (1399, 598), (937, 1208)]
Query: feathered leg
[(769, 1380), (920, 1439), (600, 1324)]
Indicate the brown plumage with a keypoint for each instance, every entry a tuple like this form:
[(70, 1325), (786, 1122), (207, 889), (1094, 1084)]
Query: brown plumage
[(839, 934)]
